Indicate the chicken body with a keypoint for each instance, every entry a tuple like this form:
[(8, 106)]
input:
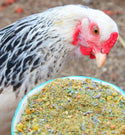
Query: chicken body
[(34, 49)]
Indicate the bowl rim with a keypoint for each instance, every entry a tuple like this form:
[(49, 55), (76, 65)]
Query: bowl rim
[(72, 77)]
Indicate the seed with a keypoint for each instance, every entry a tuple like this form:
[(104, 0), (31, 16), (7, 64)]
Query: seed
[(35, 128), (40, 108), (20, 127), (109, 98), (119, 99), (38, 99), (99, 133), (50, 106), (78, 96), (47, 126), (114, 94), (110, 118), (29, 111), (108, 122), (87, 115), (29, 130), (122, 129), (91, 125), (113, 126), (72, 116)]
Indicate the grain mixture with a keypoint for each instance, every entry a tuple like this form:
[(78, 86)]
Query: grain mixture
[(74, 107)]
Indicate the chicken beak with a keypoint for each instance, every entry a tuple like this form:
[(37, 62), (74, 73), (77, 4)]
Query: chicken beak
[(100, 59)]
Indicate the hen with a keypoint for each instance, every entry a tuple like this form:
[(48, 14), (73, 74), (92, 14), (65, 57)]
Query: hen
[(35, 48)]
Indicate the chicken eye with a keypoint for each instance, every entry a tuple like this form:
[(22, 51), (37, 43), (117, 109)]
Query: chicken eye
[(95, 30)]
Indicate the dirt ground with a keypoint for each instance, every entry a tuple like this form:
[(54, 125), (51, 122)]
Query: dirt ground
[(114, 69)]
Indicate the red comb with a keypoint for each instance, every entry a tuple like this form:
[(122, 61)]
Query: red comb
[(107, 45)]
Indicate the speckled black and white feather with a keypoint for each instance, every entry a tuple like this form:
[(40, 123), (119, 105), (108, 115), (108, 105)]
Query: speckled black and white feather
[(25, 46)]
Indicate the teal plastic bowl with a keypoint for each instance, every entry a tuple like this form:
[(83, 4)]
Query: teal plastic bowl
[(23, 102)]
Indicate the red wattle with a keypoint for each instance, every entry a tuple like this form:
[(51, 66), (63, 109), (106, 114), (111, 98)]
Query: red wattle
[(92, 56), (85, 50)]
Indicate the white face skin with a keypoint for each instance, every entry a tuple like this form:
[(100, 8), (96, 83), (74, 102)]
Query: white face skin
[(104, 28), (99, 36)]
